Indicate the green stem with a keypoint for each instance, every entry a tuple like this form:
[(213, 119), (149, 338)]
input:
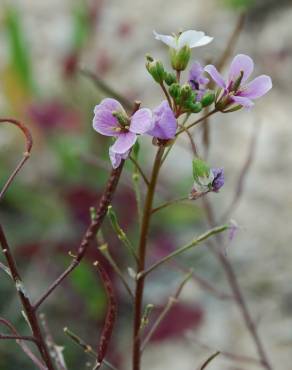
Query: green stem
[(196, 122), (193, 243), (166, 94), (141, 259), (170, 203)]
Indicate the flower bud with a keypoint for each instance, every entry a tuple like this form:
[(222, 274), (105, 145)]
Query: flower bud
[(208, 99), (186, 92), (155, 68), (169, 78), (174, 90), (180, 58), (196, 107)]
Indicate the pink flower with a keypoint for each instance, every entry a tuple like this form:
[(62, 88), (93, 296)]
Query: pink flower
[(110, 119), (237, 89)]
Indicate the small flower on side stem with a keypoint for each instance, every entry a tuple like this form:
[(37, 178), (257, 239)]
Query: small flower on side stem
[(181, 45), (237, 92), (110, 119), (206, 179)]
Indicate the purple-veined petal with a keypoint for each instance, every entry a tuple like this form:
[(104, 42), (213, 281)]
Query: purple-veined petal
[(165, 124), (116, 158), (240, 63), (168, 40), (109, 104), (141, 121), (105, 123), (245, 102), (257, 87), (216, 76), (124, 142)]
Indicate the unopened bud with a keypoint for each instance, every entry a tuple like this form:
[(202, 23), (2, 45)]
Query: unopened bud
[(180, 58), (155, 68), (174, 90), (169, 78), (208, 99)]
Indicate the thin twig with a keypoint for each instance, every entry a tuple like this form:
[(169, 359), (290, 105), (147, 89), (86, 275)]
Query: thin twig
[(193, 243), (55, 350), (236, 290), (242, 175), (196, 122), (18, 337), (22, 345), (104, 249), (5, 269), (209, 360), (90, 233), (169, 203), (229, 355), (166, 94), (26, 154), (86, 347), (171, 301), (231, 42), (108, 90), (25, 301), (138, 167)]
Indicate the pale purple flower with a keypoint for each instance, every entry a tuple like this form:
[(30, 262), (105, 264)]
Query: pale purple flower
[(165, 124), (237, 88), (218, 180), (110, 119), (190, 38), (197, 80)]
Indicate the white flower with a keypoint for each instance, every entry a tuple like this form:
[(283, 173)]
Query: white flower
[(190, 38)]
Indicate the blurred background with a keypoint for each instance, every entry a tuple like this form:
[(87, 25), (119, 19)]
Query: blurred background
[(55, 58)]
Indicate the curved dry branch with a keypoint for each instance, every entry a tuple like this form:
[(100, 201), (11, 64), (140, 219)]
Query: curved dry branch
[(26, 154)]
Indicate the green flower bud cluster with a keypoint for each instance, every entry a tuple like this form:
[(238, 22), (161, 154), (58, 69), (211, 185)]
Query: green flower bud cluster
[(185, 97)]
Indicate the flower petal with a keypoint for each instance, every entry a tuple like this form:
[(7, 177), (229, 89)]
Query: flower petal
[(245, 102), (240, 63), (203, 41), (116, 158), (165, 124), (218, 181), (216, 76), (257, 87), (189, 38), (141, 121), (109, 104), (124, 142), (168, 40), (105, 123)]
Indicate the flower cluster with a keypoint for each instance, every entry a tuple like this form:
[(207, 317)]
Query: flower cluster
[(110, 118)]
